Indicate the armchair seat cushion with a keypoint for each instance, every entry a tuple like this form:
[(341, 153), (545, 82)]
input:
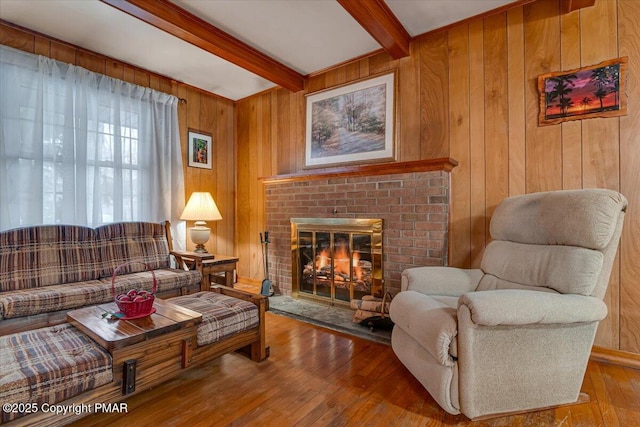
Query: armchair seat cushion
[(511, 307), (429, 320), (222, 315)]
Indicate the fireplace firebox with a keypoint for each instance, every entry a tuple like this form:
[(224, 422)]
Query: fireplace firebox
[(336, 259)]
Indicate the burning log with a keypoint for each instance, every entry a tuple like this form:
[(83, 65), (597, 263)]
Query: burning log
[(341, 275)]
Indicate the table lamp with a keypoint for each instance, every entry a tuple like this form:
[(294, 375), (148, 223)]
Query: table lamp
[(200, 208)]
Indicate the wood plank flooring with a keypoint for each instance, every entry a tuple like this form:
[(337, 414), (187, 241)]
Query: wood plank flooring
[(318, 377)]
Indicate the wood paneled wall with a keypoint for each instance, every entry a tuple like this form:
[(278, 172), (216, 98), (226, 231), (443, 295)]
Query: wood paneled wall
[(202, 111), (470, 93)]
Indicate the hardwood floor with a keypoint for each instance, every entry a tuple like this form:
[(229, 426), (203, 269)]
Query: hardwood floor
[(318, 377)]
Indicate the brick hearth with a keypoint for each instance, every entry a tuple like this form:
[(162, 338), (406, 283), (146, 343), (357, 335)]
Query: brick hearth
[(414, 207)]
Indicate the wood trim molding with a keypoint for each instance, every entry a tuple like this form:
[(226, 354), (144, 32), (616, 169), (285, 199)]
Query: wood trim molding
[(180, 23), (615, 357), (442, 164), (379, 21)]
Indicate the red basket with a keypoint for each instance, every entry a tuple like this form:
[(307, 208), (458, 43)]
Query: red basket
[(134, 309)]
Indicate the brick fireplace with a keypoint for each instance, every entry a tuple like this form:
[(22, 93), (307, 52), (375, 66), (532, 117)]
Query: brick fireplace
[(413, 204)]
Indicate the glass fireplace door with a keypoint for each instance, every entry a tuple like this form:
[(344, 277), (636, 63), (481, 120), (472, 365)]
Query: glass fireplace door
[(335, 265)]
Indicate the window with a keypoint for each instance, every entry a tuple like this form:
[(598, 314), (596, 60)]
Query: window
[(77, 147)]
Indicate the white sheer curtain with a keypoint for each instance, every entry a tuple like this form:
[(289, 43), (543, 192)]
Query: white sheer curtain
[(77, 147)]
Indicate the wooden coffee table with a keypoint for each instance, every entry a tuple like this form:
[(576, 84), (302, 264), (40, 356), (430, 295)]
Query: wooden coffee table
[(145, 351)]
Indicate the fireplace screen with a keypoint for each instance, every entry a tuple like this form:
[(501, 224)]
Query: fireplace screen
[(337, 259)]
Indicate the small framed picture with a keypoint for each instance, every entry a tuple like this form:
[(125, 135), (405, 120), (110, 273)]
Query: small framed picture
[(200, 150)]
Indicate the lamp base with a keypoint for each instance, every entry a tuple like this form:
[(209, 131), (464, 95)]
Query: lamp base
[(200, 249), (200, 235)]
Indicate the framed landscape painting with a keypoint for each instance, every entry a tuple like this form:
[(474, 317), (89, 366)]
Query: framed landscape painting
[(351, 123), (594, 91), (199, 149)]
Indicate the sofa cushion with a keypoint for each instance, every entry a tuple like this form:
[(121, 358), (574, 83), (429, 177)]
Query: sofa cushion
[(28, 302), (131, 241), (167, 279), (222, 315), (50, 365), (429, 320), (33, 257)]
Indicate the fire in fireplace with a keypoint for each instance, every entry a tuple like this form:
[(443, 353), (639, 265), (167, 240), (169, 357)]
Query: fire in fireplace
[(336, 259)]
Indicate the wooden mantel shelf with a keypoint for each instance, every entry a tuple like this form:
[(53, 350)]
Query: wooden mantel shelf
[(442, 164)]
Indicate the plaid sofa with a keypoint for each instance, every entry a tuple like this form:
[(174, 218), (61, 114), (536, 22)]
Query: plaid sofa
[(55, 268)]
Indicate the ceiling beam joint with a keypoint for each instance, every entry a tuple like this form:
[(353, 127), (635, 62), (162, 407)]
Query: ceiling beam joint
[(380, 22)]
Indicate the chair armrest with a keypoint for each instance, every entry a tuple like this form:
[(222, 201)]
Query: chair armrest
[(524, 307), (257, 299), (446, 281), (180, 262)]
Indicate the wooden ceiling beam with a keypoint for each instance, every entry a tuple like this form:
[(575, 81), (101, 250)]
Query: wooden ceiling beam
[(178, 22), (379, 21), (569, 6)]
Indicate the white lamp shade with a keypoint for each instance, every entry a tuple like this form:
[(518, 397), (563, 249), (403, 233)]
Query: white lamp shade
[(201, 207)]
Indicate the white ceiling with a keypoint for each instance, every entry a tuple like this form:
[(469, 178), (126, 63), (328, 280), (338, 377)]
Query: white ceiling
[(305, 35)]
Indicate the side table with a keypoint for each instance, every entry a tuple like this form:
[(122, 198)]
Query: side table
[(207, 264)]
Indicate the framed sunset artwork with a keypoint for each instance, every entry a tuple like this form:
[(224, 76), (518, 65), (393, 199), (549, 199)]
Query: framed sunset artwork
[(594, 91)]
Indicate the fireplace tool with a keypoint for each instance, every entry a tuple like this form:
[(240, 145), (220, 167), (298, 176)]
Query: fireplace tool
[(267, 286)]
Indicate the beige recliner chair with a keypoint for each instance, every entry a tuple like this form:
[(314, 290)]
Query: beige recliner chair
[(516, 334)]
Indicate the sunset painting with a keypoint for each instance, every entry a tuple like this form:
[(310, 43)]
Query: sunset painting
[(595, 91)]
